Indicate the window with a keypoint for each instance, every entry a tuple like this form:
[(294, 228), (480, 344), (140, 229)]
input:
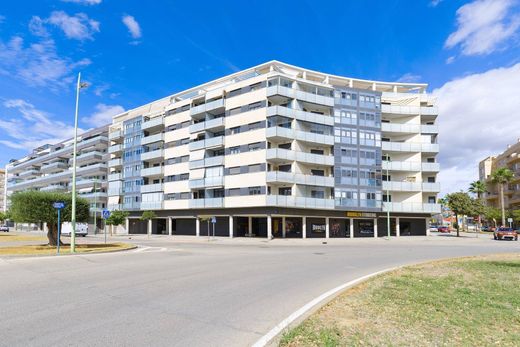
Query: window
[(255, 168), (234, 150), (285, 191), (432, 199), (318, 172), (255, 86), (387, 198), (255, 190), (234, 93), (387, 178), (431, 179), (256, 125), (284, 168), (255, 146), (218, 193), (430, 160), (234, 192), (234, 130), (255, 106), (317, 151), (286, 146), (234, 170), (317, 194), (234, 111)]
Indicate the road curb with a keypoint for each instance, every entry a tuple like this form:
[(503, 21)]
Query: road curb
[(316, 303)]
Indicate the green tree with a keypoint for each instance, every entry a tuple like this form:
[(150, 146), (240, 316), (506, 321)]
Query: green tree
[(478, 188), (515, 214), (461, 204), (36, 207), (492, 214), (147, 216), (117, 218), (4, 216), (502, 176)]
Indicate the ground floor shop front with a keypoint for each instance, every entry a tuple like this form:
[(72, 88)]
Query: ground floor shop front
[(277, 223)]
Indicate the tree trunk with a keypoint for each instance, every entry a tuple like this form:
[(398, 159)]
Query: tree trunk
[(502, 205), (458, 226), (52, 235)]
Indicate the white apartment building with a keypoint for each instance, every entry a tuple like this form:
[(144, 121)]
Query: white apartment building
[(279, 151), (49, 168), (2, 190)]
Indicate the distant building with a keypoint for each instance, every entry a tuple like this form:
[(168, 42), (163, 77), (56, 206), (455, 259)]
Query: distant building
[(2, 190), (510, 159)]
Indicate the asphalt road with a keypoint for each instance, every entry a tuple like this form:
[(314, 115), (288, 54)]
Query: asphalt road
[(171, 293)]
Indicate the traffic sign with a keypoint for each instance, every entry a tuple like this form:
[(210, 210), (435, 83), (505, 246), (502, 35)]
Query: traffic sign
[(213, 220), (510, 220), (106, 214), (58, 205)]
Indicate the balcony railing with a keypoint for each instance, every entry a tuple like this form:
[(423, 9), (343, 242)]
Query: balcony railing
[(216, 141), (410, 147), (212, 161), (300, 115), (289, 155), (212, 105), (156, 154), (300, 95), (429, 129), (297, 201), (115, 162), (148, 188), (151, 205), (289, 177), (280, 132), (415, 110), (207, 203), (115, 135), (152, 138), (206, 182), (115, 149), (401, 128), (416, 207), (152, 171), (115, 177), (153, 123), (207, 125)]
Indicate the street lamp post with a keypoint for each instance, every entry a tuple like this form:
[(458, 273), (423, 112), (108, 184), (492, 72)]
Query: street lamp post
[(74, 154), (95, 207)]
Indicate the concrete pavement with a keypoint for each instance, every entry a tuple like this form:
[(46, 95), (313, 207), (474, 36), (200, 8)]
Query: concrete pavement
[(187, 292)]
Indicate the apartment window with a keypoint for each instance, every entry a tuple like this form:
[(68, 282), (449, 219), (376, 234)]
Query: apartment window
[(387, 198), (286, 146), (432, 199), (234, 130), (387, 178), (234, 93), (255, 146), (234, 111), (234, 192), (318, 172), (255, 125), (285, 168), (255, 190), (234, 150), (431, 179), (430, 160), (255, 86), (184, 196), (218, 193), (285, 191), (317, 151), (317, 194), (234, 170), (255, 106), (185, 141), (255, 168)]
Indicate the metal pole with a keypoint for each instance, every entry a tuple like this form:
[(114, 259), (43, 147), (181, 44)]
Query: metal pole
[(73, 219), (95, 208), (213, 231), (105, 228), (387, 202), (208, 230), (59, 228)]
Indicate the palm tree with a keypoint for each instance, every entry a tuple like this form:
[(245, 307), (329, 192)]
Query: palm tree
[(502, 176), (478, 188)]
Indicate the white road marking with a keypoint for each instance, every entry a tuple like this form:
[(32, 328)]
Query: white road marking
[(264, 340)]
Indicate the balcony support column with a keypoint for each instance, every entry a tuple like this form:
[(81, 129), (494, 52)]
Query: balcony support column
[(197, 226), (127, 225), (397, 227), (351, 228), (250, 226), (327, 229), (283, 227), (427, 226), (231, 226), (304, 227), (169, 226), (269, 227), (375, 227)]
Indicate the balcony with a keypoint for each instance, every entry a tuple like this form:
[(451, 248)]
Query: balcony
[(402, 186), (151, 205), (300, 115), (115, 207), (207, 107), (207, 203), (298, 201), (401, 165), (410, 147), (429, 129), (99, 168), (97, 141), (413, 207), (294, 178), (413, 110), (115, 191), (115, 162), (211, 161), (152, 138), (300, 95), (54, 188), (85, 183), (430, 167), (29, 173), (131, 205), (208, 182), (149, 188), (115, 177), (217, 141), (89, 156), (154, 123), (152, 171), (433, 187), (401, 128), (96, 195), (284, 155), (114, 135), (156, 154), (54, 167), (285, 133), (207, 125), (115, 149)]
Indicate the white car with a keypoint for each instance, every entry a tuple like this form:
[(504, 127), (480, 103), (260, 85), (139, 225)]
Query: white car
[(4, 228), (81, 229)]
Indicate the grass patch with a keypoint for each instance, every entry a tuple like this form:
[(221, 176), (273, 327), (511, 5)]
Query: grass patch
[(8, 237), (64, 249), (464, 302)]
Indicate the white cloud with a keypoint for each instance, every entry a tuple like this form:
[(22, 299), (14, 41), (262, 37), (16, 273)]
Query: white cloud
[(478, 117), (434, 3), (132, 26), (409, 78), (103, 115), (84, 2), (78, 27), (37, 64), (483, 26), (450, 60), (29, 127)]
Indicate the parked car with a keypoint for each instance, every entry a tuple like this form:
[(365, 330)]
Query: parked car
[(4, 228), (81, 229), (434, 228), (485, 228), (505, 233), (443, 229)]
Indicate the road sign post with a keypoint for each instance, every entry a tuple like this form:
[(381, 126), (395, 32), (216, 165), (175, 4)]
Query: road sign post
[(213, 221), (106, 215), (59, 205), (510, 220)]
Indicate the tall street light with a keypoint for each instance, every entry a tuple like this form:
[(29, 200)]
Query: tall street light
[(73, 218)]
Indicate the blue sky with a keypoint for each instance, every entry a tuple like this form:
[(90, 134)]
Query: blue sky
[(132, 52)]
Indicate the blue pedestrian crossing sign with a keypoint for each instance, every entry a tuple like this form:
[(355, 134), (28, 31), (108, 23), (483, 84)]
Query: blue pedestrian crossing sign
[(58, 205), (213, 220), (105, 214)]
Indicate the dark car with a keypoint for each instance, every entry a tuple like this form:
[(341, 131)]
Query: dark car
[(485, 228), (505, 233), (443, 229), (4, 228)]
